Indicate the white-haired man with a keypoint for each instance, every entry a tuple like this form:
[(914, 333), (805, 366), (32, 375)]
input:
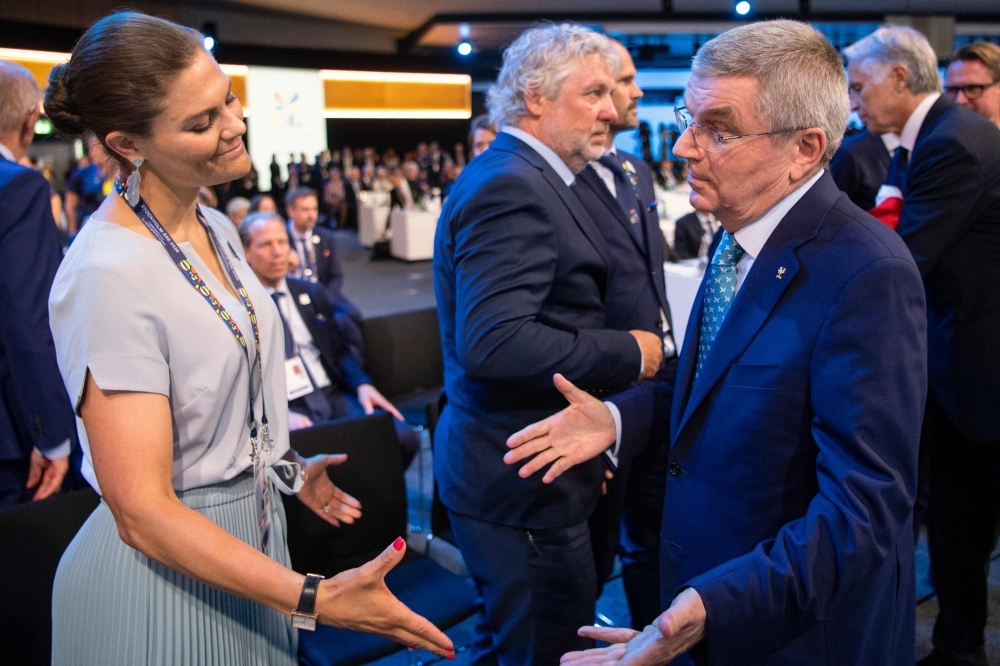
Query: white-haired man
[(786, 535), (948, 180), (520, 270), (36, 419)]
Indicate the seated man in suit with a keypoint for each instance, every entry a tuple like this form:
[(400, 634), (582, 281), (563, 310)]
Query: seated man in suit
[(795, 419), (692, 231), (520, 273), (36, 418), (318, 261), (326, 379), (949, 184)]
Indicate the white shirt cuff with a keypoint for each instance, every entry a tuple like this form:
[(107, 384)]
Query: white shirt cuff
[(612, 451), (60, 451)]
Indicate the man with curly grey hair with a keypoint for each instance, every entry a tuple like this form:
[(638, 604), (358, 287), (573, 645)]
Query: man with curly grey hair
[(947, 193), (795, 418), (520, 273)]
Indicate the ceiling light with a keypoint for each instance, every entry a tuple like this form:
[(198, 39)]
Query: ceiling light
[(465, 48), (743, 8)]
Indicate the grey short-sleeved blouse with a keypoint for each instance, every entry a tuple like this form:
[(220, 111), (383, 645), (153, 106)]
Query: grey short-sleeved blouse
[(121, 308)]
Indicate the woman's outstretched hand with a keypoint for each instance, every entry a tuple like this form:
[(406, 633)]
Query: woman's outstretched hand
[(358, 599), (325, 499)]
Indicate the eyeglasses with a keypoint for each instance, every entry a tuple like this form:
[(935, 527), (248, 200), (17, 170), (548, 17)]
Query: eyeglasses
[(707, 138), (971, 92)]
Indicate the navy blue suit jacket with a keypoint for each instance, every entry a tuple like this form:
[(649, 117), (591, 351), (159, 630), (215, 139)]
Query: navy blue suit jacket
[(793, 457), (636, 293), (951, 223), (328, 270), (520, 273), (860, 166), (342, 365), (35, 410)]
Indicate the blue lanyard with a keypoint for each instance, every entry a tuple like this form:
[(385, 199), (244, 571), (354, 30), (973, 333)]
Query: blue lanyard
[(142, 210)]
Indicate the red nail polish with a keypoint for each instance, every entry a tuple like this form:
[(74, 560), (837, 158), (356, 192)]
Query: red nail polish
[(398, 543), (450, 655), (412, 647)]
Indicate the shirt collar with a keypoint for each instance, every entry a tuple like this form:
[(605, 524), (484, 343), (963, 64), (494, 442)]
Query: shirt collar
[(912, 128), (890, 141), (295, 233), (753, 236), (547, 153), (6, 153), (282, 289)]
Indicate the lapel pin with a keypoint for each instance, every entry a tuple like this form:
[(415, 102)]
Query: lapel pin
[(304, 299), (315, 240), (781, 271)]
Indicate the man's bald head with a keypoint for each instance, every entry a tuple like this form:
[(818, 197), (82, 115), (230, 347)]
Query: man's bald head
[(627, 94)]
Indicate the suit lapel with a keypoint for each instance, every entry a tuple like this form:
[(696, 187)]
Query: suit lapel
[(757, 297), (511, 144), (591, 179), (307, 311)]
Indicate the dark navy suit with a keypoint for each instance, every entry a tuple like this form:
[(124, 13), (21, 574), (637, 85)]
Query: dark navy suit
[(635, 299), (951, 223), (792, 465), (521, 272), (859, 167), (35, 411)]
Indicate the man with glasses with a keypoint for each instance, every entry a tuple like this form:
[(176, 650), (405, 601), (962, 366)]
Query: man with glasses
[(794, 423), (948, 181), (973, 79)]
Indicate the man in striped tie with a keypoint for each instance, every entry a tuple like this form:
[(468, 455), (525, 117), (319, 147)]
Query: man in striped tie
[(794, 424)]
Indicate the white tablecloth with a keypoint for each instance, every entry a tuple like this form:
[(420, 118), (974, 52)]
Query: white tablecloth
[(682, 282), (371, 223), (413, 234)]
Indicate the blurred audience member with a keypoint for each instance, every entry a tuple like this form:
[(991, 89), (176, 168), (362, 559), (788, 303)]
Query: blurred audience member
[(481, 134), (36, 418), (87, 187), (332, 382), (973, 79), (335, 199), (434, 165), (263, 203), (693, 234), (459, 156), (237, 209)]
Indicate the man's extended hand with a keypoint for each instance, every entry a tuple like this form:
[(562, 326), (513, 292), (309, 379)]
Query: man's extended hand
[(676, 631), (46, 474), (578, 433), (651, 346), (370, 398)]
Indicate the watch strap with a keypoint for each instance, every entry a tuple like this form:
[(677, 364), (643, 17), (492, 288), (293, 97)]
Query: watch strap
[(307, 600)]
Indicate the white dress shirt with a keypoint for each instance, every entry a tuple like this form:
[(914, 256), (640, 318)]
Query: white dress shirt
[(912, 127), (605, 173), (304, 343), (6, 153)]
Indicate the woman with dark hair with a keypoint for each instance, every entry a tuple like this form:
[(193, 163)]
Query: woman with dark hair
[(180, 393)]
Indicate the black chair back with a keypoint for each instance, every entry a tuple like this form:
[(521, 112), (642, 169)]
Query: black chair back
[(373, 473), (404, 352), (32, 540)]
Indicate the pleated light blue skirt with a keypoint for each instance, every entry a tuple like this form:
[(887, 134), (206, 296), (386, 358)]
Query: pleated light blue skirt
[(112, 605)]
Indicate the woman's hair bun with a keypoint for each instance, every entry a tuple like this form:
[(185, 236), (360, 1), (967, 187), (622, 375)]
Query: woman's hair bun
[(59, 106)]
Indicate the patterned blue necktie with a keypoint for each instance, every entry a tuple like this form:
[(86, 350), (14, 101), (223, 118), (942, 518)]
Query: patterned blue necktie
[(719, 293)]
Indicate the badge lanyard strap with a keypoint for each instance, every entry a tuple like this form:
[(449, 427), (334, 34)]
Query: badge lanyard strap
[(146, 215), (634, 181)]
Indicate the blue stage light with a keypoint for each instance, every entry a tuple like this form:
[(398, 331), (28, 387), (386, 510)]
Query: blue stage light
[(209, 42), (465, 48), (743, 8)]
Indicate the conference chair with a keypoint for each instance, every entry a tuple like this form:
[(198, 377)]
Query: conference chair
[(33, 537), (373, 473), (404, 359)]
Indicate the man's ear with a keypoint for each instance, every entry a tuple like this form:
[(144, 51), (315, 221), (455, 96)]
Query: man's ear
[(900, 77), (809, 148), (28, 128), (123, 145), (533, 103)]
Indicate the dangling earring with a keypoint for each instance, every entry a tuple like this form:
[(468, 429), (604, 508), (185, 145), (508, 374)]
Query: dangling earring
[(132, 184)]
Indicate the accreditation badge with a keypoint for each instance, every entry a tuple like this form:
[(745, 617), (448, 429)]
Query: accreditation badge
[(296, 378)]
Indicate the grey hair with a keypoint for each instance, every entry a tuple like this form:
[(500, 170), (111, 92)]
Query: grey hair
[(252, 220), (800, 76), (19, 96), (899, 44), (237, 204), (538, 62)]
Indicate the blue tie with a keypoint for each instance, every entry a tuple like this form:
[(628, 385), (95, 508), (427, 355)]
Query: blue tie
[(626, 194), (898, 168), (720, 291), (316, 401)]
